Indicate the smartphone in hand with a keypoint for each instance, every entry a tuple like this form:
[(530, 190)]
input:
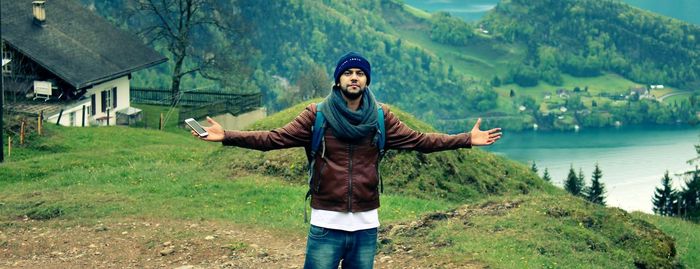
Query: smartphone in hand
[(196, 127)]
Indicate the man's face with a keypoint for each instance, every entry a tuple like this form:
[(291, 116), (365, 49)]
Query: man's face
[(352, 83)]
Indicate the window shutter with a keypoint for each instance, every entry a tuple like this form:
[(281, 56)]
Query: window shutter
[(93, 102), (114, 97), (104, 100)]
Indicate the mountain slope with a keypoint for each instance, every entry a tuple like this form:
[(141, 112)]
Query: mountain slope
[(585, 38)]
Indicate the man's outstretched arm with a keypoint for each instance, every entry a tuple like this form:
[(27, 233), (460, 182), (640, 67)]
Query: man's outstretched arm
[(400, 136), (297, 133)]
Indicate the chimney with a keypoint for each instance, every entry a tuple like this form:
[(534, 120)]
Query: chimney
[(39, 12)]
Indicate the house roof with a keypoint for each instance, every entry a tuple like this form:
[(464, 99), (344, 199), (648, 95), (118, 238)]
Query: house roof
[(75, 44)]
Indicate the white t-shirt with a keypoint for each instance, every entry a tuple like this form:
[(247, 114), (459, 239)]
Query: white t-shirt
[(346, 221)]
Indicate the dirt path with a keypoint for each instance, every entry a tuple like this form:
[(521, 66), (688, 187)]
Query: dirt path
[(138, 243), (146, 244)]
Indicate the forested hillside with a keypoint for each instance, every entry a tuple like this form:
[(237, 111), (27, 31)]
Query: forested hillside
[(589, 37), (587, 56)]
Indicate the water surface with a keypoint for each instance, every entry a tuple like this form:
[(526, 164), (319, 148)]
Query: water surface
[(633, 159)]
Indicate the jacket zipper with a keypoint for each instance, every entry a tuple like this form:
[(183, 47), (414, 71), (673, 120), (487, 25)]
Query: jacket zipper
[(318, 177), (350, 178)]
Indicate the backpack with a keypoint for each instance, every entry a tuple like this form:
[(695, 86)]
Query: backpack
[(318, 141)]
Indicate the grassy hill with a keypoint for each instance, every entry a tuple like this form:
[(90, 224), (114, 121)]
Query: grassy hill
[(450, 209)]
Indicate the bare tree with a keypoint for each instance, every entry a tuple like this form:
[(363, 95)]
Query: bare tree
[(200, 36), (313, 82)]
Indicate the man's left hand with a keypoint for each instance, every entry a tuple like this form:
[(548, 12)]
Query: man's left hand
[(484, 138)]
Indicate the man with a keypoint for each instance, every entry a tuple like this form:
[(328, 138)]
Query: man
[(344, 183)]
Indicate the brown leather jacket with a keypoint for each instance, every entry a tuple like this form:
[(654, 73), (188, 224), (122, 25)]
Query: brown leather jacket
[(345, 175)]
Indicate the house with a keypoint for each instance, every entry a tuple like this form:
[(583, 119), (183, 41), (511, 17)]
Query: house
[(639, 91), (69, 63), (562, 93)]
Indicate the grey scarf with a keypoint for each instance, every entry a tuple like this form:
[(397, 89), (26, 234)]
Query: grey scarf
[(347, 125)]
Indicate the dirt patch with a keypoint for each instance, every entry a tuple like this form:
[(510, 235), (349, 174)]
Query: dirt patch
[(408, 241), (141, 243), (146, 244)]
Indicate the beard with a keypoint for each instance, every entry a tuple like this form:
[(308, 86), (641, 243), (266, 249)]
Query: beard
[(352, 95)]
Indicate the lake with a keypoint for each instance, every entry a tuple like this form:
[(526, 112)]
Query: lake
[(633, 159), (472, 10)]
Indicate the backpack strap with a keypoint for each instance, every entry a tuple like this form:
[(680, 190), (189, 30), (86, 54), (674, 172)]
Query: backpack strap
[(317, 140), (317, 131), (381, 141)]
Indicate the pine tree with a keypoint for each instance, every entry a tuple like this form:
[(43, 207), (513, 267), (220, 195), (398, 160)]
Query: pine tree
[(534, 167), (690, 195), (546, 176), (596, 193), (573, 184), (664, 198)]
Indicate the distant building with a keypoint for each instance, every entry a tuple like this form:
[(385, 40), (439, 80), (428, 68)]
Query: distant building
[(562, 93), (641, 91), (69, 62)]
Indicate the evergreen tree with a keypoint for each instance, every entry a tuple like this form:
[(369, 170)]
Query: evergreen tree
[(573, 183), (664, 198), (596, 193), (546, 176), (690, 195), (534, 167), (496, 82)]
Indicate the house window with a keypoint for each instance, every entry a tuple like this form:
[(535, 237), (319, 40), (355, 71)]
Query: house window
[(109, 99), (93, 105), (6, 54), (71, 119)]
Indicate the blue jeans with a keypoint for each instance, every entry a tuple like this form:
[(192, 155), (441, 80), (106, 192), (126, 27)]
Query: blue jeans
[(325, 248)]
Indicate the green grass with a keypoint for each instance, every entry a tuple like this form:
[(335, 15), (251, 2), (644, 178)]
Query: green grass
[(88, 174), (481, 59), (677, 98), (417, 12), (609, 83), (686, 234), (540, 231), (151, 116)]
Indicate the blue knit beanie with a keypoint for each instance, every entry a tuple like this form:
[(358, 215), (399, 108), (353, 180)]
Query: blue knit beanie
[(352, 60)]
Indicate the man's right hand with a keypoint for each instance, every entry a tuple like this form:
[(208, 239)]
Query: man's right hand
[(216, 132)]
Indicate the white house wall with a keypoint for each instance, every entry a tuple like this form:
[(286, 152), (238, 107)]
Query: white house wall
[(122, 85), (77, 120), (123, 97)]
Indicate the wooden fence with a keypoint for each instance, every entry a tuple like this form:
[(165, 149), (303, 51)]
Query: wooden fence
[(197, 104), (187, 98)]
